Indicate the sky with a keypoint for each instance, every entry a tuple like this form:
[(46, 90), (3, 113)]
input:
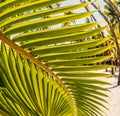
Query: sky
[(97, 15)]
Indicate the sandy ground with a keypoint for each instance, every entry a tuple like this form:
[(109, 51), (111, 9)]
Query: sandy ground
[(115, 96), (115, 102)]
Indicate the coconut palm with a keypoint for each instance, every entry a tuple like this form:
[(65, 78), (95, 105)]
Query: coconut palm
[(45, 71), (113, 11)]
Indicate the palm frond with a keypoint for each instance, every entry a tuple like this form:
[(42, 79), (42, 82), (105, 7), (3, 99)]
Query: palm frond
[(30, 89), (70, 52), (34, 92)]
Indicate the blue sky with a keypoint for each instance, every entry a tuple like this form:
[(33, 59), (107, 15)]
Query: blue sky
[(101, 2), (97, 15)]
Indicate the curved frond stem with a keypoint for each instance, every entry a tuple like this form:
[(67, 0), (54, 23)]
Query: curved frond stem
[(21, 51), (114, 35), (114, 8)]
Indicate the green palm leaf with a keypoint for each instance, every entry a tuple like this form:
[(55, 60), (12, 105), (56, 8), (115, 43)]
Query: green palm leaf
[(59, 79), (35, 92)]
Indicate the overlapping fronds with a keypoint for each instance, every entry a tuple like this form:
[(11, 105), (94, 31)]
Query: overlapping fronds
[(30, 89), (70, 52)]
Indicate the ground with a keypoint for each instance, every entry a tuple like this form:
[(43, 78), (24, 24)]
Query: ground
[(114, 95), (115, 98)]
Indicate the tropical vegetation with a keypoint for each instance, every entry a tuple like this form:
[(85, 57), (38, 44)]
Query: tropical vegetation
[(48, 68)]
